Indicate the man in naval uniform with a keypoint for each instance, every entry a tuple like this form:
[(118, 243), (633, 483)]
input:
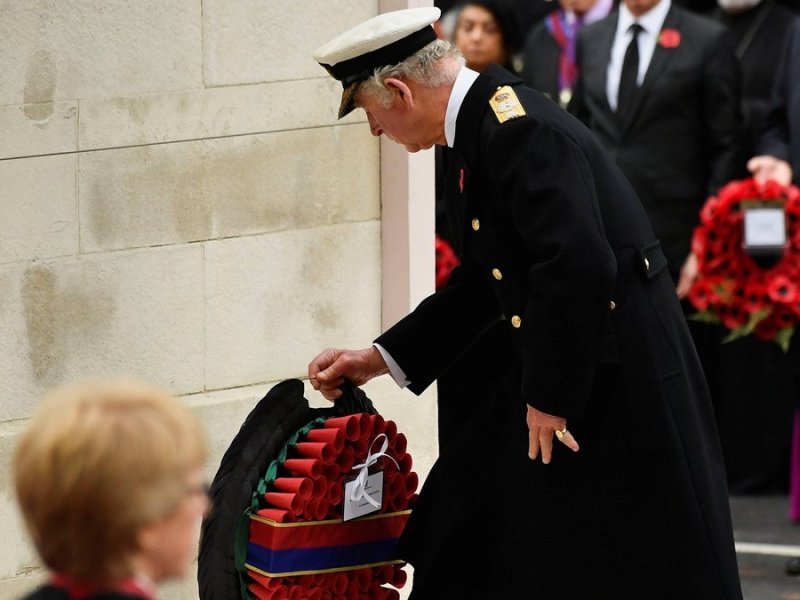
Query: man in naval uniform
[(588, 463)]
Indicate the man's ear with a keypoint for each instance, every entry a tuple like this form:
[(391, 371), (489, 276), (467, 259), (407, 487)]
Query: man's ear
[(402, 92)]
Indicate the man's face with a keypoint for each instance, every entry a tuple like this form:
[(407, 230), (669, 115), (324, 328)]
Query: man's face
[(399, 123)]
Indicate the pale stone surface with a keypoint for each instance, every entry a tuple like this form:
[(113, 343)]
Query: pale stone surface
[(18, 587), (203, 190), (138, 313), (73, 49), (275, 301), (407, 233), (38, 215), (26, 135), (213, 112), (17, 556), (251, 42)]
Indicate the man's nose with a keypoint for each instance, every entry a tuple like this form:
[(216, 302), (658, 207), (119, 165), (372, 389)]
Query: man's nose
[(373, 126)]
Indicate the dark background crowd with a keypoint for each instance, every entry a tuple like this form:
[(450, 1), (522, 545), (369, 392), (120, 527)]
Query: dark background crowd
[(680, 127)]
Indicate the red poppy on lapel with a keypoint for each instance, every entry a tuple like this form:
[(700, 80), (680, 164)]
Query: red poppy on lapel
[(669, 38)]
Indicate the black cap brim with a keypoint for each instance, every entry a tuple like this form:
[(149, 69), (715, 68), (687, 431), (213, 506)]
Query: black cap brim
[(348, 103)]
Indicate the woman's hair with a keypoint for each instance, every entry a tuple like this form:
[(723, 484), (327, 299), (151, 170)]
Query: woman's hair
[(423, 67), (98, 461)]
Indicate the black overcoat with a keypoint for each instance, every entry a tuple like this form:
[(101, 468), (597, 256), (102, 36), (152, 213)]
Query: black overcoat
[(551, 234)]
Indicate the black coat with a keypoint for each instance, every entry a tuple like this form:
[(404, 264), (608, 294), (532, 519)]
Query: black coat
[(641, 511), (540, 56), (757, 35), (681, 142), (781, 137)]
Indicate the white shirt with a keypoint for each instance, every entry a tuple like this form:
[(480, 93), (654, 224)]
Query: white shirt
[(466, 77), (464, 80), (652, 21)]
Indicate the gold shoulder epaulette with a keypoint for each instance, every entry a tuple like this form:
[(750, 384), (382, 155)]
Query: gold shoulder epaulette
[(506, 105)]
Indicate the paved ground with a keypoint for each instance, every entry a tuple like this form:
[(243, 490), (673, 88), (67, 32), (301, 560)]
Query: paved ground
[(765, 540)]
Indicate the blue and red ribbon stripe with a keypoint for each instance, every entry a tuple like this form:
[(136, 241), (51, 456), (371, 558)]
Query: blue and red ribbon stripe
[(285, 549)]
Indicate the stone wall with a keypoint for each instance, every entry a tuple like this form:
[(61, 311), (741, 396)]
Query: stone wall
[(179, 203)]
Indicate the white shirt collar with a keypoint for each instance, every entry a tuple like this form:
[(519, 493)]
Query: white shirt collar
[(466, 77), (651, 21)]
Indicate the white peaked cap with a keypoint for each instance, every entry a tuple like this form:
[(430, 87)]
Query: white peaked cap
[(384, 40)]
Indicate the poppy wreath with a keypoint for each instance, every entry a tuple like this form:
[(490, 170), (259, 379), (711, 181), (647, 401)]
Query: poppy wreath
[(734, 289), (292, 543)]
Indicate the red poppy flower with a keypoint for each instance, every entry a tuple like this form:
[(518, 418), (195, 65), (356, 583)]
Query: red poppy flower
[(781, 289), (755, 296), (700, 294), (770, 190), (709, 209), (669, 38), (732, 317), (446, 261), (766, 330), (784, 317)]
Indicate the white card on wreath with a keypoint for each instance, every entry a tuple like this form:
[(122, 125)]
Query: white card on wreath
[(764, 228), (356, 503)]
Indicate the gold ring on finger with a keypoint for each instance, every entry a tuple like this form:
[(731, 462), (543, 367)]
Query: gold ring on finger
[(560, 433)]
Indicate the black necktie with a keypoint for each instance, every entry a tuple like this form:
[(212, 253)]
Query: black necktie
[(626, 97)]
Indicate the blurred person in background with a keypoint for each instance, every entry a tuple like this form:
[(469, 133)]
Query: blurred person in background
[(756, 29), (487, 32), (660, 87), (108, 476), (778, 148), (669, 116), (547, 59), (778, 158), (753, 376)]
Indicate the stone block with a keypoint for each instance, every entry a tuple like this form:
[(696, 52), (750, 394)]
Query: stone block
[(136, 313), (184, 192), (253, 42), (275, 301), (210, 113), (17, 556), (75, 49), (38, 215), (36, 129)]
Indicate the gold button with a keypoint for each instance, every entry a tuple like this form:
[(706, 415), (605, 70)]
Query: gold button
[(516, 322), (497, 274), (646, 264), (476, 224), (612, 305)]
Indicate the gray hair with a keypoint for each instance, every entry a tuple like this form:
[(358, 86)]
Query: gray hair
[(422, 67)]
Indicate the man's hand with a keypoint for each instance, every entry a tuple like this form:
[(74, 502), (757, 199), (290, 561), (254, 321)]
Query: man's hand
[(541, 428), (329, 370), (688, 276), (768, 167)]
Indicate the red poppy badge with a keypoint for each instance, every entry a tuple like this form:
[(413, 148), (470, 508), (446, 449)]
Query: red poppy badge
[(669, 38)]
